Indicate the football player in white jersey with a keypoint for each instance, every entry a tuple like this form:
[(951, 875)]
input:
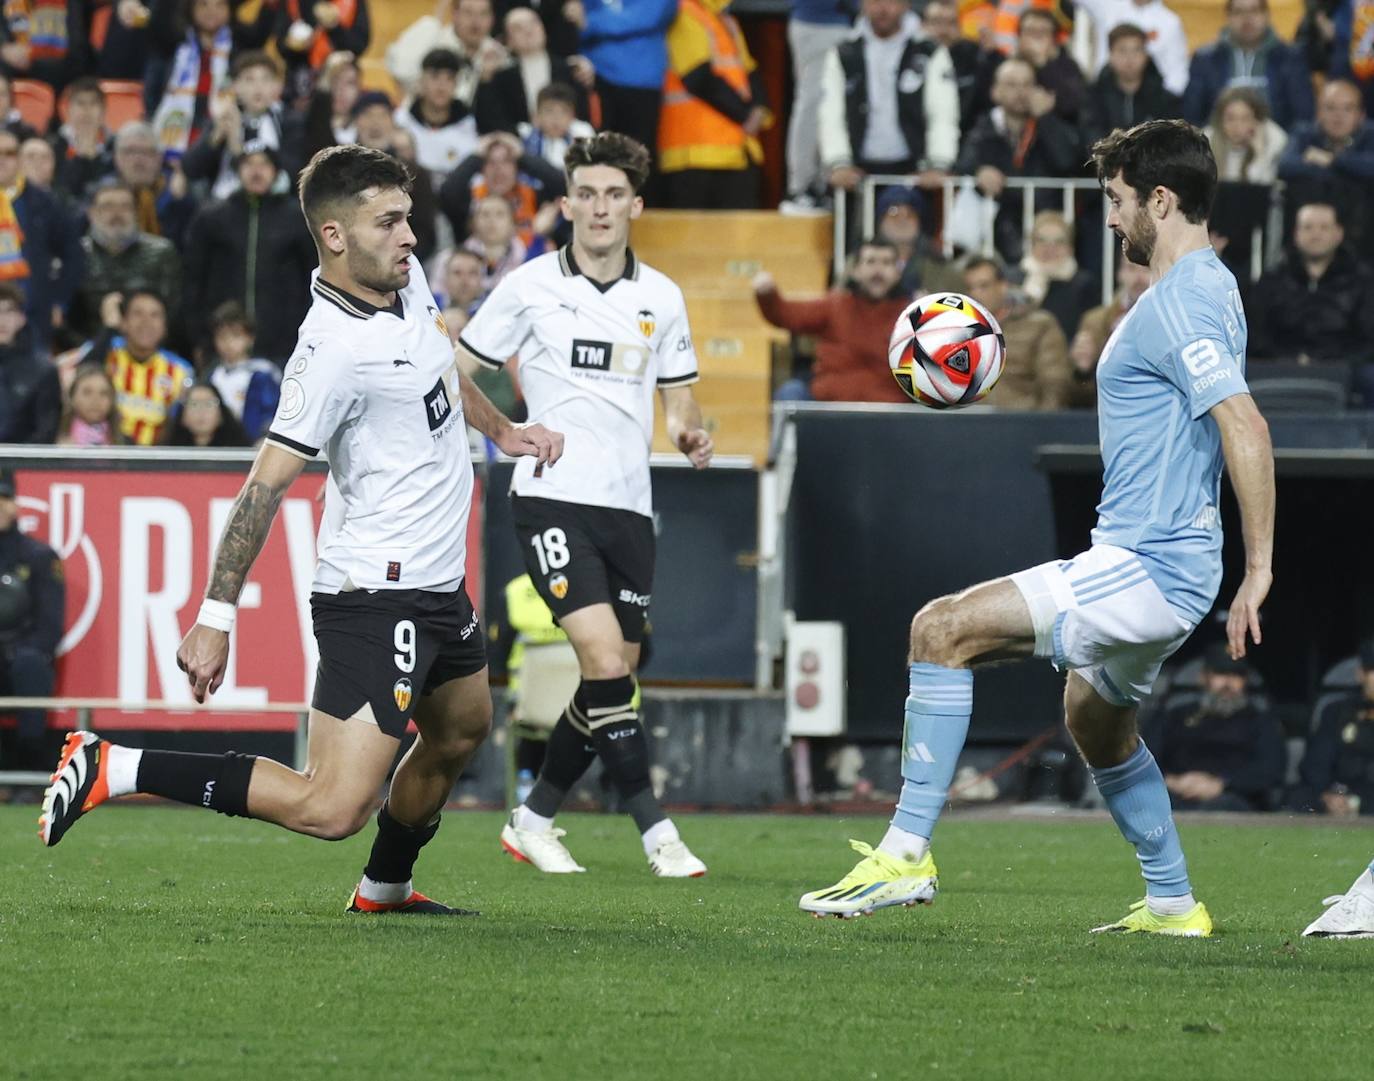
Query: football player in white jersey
[(597, 333), (374, 380)]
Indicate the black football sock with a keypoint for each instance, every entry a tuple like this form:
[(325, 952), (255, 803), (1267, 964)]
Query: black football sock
[(566, 758), (624, 749), (217, 781), (397, 847)]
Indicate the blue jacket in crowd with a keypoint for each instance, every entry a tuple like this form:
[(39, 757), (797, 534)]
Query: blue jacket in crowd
[(1354, 163), (49, 234), (1283, 80), (624, 40)]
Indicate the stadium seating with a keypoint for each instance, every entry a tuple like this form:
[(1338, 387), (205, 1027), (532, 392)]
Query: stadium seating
[(35, 101), (1289, 387)]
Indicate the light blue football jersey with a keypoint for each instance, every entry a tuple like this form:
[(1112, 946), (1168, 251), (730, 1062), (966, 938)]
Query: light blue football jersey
[(1177, 353)]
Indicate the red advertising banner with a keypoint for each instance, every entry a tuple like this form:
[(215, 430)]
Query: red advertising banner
[(136, 547)]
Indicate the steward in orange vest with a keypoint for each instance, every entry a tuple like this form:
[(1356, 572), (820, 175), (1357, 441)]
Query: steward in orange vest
[(713, 109)]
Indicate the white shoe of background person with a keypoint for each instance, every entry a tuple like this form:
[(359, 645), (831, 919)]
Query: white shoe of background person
[(543, 849)]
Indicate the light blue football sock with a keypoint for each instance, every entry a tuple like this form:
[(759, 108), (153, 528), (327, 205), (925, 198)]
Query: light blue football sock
[(937, 714), (1139, 801)]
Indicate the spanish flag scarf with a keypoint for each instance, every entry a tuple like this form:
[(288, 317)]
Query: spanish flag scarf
[(13, 265)]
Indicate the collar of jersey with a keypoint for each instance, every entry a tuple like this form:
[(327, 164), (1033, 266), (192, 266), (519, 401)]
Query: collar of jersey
[(355, 306), (572, 270)]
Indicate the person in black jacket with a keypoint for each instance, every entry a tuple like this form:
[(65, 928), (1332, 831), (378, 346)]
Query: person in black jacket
[(30, 397), (32, 615), (940, 22), (253, 247), (1129, 90), (1337, 773), (504, 101), (1318, 303), (1224, 752)]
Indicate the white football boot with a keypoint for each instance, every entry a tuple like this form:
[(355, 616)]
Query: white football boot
[(673, 859), (1348, 915), (542, 849)]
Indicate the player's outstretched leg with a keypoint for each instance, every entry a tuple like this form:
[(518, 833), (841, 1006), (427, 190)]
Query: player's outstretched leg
[(1133, 788), (453, 721), (1348, 915)]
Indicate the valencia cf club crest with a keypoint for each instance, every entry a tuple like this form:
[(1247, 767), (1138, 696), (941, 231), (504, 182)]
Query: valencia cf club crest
[(439, 323), (647, 323), (558, 586), (400, 690)]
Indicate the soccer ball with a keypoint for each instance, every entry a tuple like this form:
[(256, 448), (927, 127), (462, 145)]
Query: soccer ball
[(946, 351)]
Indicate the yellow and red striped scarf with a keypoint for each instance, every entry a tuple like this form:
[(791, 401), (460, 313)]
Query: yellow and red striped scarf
[(13, 265)]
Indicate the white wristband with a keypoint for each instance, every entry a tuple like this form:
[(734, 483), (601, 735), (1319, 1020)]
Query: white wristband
[(217, 615)]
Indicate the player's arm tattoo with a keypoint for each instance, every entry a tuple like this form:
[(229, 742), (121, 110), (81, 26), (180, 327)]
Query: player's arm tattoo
[(243, 538)]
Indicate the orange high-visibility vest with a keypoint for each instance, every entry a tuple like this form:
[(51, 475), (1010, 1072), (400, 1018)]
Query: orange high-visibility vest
[(1007, 20), (691, 134)]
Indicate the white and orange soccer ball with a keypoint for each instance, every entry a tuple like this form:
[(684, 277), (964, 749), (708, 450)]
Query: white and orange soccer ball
[(946, 351)]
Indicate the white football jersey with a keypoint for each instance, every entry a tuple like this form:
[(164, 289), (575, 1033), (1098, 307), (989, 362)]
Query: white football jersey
[(377, 389), (591, 356)]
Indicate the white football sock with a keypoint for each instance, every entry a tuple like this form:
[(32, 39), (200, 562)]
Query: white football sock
[(1170, 906), (903, 844), (525, 819), (122, 775), (656, 834), (384, 893)]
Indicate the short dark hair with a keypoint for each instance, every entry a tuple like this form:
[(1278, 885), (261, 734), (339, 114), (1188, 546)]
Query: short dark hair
[(1122, 31), (878, 242), (340, 174), (254, 58), (1264, 5), (111, 183), (12, 293), (126, 301), (613, 149), (1168, 154), (561, 93), (1036, 13), (443, 60), (87, 84), (232, 314), (980, 261), (1329, 204)]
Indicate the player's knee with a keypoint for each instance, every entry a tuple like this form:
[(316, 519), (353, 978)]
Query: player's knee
[(936, 636), (606, 663), (458, 740), (333, 817)]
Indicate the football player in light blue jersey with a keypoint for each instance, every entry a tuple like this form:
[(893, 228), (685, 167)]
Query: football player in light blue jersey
[(1173, 407)]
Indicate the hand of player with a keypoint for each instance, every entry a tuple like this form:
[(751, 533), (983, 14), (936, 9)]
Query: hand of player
[(533, 441), (1244, 615), (203, 656), (696, 443)]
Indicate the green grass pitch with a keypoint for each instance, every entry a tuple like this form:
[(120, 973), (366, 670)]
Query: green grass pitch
[(164, 943)]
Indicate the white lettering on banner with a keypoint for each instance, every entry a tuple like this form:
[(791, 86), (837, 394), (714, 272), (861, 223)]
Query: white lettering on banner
[(144, 615), (230, 693), (66, 511), (299, 520)]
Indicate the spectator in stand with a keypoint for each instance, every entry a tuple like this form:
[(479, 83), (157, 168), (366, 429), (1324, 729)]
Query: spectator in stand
[(501, 167), (1036, 372), (120, 44), (1352, 46), (445, 130), (90, 414), (309, 31), (10, 118), (1095, 328), (1020, 137), (1248, 53), (1318, 303), (249, 387), (251, 113), (1245, 140), (253, 247), (165, 206), (1128, 90), (149, 379), (82, 143), (203, 420), (1332, 160), (38, 164), (1059, 80), (899, 213), (1337, 773), (510, 97), (1052, 279), (940, 24), (31, 627), (40, 247), (1168, 42), (329, 118), (30, 395), (494, 238), (997, 27), (460, 281), (813, 29), (555, 125), (466, 30), (1225, 751), (626, 44), (120, 257), (714, 107), (44, 40), (198, 43), (890, 103), (851, 325), (375, 127)]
